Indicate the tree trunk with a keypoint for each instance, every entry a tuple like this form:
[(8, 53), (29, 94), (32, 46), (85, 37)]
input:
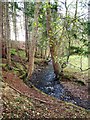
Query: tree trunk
[(8, 44), (47, 52), (26, 32), (42, 53), (53, 50), (33, 41), (1, 29), (4, 47), (14, 20)]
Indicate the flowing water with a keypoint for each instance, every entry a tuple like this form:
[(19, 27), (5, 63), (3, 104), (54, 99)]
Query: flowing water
[(45, 81)]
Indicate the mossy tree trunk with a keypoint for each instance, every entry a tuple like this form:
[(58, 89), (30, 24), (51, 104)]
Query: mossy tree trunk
[(32, 46), (52, 43)]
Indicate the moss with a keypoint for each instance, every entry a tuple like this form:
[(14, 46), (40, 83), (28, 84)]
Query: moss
[(13, 52), (22, 54)]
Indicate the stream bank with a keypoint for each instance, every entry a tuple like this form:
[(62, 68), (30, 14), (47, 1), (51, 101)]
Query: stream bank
[(44, 79)]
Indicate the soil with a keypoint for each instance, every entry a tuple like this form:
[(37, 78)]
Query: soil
[(77, 90)]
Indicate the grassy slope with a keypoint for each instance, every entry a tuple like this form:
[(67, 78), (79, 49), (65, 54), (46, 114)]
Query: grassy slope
[(76, 61), (73, 69)]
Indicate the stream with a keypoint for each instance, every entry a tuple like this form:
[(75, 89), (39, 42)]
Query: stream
[(45, 81)]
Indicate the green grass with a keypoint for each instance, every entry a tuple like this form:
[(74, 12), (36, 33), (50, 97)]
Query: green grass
[(75, 60), (71, 71)]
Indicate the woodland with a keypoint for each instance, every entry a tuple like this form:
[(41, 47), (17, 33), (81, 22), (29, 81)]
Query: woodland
[(44, 59)]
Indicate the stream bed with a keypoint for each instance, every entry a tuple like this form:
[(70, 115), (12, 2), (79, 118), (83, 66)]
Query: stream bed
[(45, 81)]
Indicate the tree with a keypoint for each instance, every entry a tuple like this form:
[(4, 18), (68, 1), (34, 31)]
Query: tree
[(33, 40), (14, 19), (3, 32), (1, 28), (7, 33), (52, 43), (26, 31)]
